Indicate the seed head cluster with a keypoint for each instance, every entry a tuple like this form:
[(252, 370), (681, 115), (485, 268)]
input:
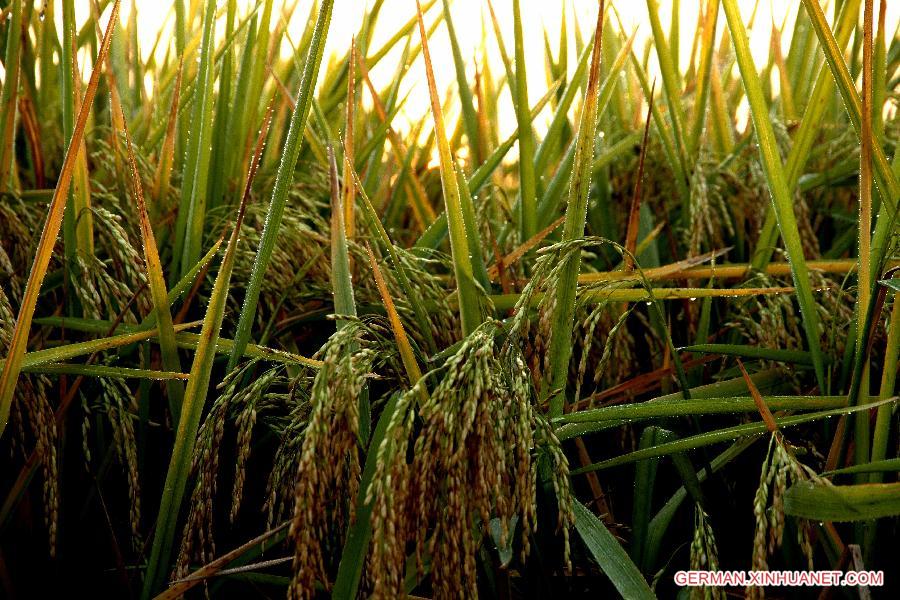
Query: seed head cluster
[(328, 472), (779, 469), (704, 555), (451, 460)]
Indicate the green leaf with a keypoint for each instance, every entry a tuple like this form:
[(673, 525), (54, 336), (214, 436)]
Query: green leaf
[(804, 139), (437, 231), (10, 374), (185, 437), (579, 423), (707, 33), (666, 137), (561, 117), (722, 435), (644, 481), (788, 356), (218, 169), (9, 94), (77, 227), (180, 289), (576, 212), (888, 184), (670, 76), (192, 213), (68, 351), (893, 284), (610, 555), (133, 334), (884, 421), (527, 194), (192, 409), (825, 502), (782, 198), (341, 279), (473, 236), (103, 371), (157, 284), (283, 181), (378, 228), (660, 522), (470, 297), (888, 465), (470, 120)]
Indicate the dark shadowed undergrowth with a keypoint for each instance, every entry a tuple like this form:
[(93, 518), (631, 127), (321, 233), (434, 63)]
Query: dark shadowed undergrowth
[(263, 337)]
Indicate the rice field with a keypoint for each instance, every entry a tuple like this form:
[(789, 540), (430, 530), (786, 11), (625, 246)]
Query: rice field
[(268, 328)]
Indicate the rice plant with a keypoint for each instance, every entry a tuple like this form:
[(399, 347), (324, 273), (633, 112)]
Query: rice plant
[(268, 327)]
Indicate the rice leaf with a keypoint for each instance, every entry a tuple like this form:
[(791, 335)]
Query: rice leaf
[(644, 482), (192, 409), (283, 181), (527, 193), (402, 277), (507, 301), (864, 271), (468, 292), (194, 197), (9, 94), (167, 153), (341, 281), (75, 349), (610, 555), (437, 231), (105, 371), (576, 212), (218, 161), (723, 435), (888, 385), (660, 522), (77, 221), (582, 422), (666, 52), (157, 284), (181, 288), (406, 352), (788, 356), (888, 465), (183, 339), (778, 188), (13, 364), (888, 184), (467, 104), (710, 17), (822, 501)]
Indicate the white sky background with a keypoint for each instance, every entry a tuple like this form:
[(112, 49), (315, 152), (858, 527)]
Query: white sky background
[(537, 15)]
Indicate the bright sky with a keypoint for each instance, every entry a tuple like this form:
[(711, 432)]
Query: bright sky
[(468, 15)]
